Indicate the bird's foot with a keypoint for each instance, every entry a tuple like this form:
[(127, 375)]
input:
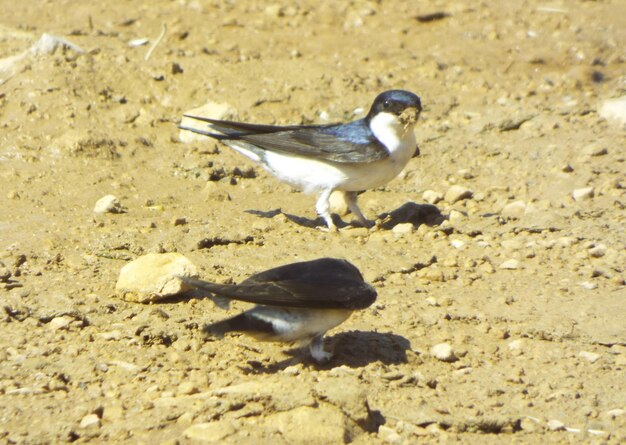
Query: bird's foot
[(316, 347)]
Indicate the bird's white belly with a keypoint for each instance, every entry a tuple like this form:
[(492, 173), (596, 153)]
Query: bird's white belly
[(293, 324), (311, 175)]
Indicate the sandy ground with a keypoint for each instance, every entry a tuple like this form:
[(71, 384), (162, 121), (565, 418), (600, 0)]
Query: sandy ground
[(531, 298)]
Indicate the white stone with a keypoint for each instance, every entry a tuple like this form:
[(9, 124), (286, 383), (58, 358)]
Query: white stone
[(389, 435), (516, 345), (458, 193), (556, 425), (89, 420), (324, 424), (614, 109), (210, 431), (588, 285), (457, 243), (595, 150), (443, 352), (432, 197), (62, 322), (154, 276), (511, 264), (583, 194), (617, 412), (212, 110), (456, 216), (514, 209), (591, 357), (598, 251), (108, 204), (403, 228)]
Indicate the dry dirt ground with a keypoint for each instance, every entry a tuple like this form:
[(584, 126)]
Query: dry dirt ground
[(531, 299)]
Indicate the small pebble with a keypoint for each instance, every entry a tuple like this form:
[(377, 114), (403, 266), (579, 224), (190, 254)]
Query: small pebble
[(187, 388), (211, 432), (389, 435), (432, 197), (618, 412), (556, 425), (62, 322), (588, 285), (511, 264), (89, 420), (595, 150), (443, 352), (514, 209), (458, 193), (403, 229), (583, 194), (591, 357), (108, 204), (154, 276), (457, 243), (615, 110), (598, 251), (456, 216)]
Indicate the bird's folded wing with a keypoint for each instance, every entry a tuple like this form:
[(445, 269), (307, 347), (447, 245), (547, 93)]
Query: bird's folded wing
[(295, 293), (231, 128), (313, 143)]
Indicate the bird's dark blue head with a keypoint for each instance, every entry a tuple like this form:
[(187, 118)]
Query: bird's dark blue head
[(395, 102)]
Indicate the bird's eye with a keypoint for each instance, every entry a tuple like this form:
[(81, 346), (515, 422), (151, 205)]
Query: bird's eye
[(386, 104)]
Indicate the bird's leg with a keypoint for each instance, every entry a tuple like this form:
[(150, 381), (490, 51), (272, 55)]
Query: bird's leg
[(351, 198), (317, 350), (323, 209)]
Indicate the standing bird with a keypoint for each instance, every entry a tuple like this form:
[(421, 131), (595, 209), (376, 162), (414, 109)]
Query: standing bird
[(295, 302), (352, 157)]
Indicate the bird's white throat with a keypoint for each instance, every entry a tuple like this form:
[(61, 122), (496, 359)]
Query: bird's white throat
[(389, 130)]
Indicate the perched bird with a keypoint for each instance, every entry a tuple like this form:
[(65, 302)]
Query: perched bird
[(295, 302), (352, 157)]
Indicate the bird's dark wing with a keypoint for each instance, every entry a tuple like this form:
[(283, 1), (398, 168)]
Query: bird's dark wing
[(231, 128), (326, 283), (345, 143), (318, 144)]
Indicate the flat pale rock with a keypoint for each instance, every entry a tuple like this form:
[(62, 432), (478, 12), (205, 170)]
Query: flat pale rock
[(212, 110), (511, 264), (583, 194), (443, 352), (108, 204), (152, 277), (458, 193), (514, 209), (615, 110), (324, 424), (212, 432), (432, 197)]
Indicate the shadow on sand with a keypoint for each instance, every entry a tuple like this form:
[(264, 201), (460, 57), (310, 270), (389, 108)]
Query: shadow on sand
[(354, 349), (409, 212)]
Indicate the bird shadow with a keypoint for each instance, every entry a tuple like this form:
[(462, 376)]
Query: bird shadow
[(299, 220), (354, 349), (409, 212)]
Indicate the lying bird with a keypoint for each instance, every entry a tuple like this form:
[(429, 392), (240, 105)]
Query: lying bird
[(295, 302), (351, 157)]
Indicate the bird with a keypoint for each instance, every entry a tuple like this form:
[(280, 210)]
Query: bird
[(347, 157), (296, 302)]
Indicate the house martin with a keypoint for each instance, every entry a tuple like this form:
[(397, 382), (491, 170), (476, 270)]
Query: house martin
[(297, 302), (353, 157)]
